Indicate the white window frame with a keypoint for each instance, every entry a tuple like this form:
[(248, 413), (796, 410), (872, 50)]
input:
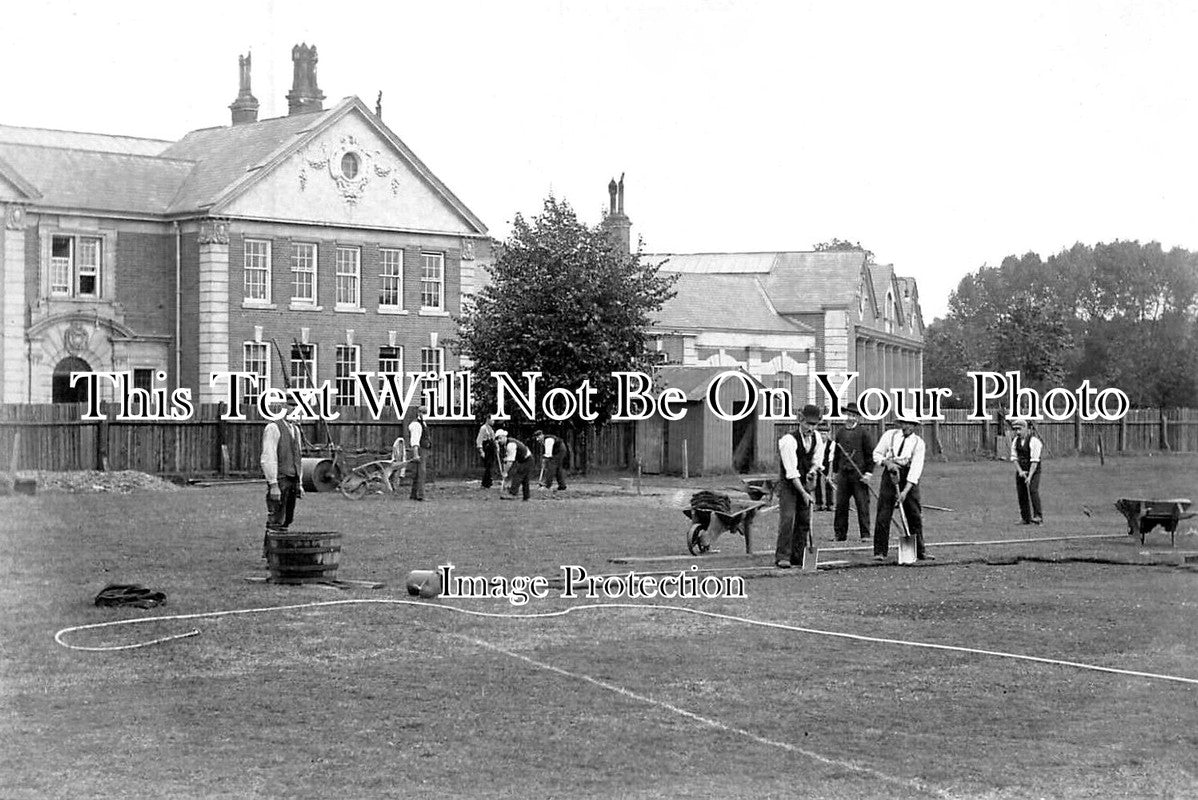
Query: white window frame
[(304, 262), (348, 278), (397, 366), (346, 381), (299, 377), (385, 277), (66, 273), (251, 266), (248, 393), (437, 262), (438, 367)]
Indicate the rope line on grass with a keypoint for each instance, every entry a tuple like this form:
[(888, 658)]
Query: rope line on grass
[(59, 636)]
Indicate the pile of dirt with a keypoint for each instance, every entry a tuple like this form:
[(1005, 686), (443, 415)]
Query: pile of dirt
[(95, 482)]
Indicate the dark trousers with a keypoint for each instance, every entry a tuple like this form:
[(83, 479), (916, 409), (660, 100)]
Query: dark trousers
[(794, 524), (914, 511), (849, 486), (280, 513), (554, 471), (489, 463), (417, 478), (518, 475), (1029, 494)]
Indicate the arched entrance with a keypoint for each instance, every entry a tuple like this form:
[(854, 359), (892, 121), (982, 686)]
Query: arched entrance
[(62, 392)]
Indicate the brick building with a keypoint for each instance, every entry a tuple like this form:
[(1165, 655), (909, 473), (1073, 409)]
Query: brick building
[(320, 230)]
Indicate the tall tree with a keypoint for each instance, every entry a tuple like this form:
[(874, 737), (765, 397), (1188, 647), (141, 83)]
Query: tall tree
[(565, 302)]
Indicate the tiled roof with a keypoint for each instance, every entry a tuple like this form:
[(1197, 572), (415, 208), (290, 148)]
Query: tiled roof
[(807, 283), (74, 140), (725, 263), (732, 302), (224, 155), (100, 181), (693, 381)]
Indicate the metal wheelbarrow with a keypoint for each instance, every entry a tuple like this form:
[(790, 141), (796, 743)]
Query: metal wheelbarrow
[(1144, 515), (709, 524)]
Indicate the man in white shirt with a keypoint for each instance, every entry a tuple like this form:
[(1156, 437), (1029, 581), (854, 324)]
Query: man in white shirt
[(418, 447), (553, 452), (799, 458), (900, 451), (485, 442), (517, 464), (281, 463), (1026, 451)]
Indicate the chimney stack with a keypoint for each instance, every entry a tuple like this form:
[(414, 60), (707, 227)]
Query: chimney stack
[(616, 222), (245, 107), (305, 96)]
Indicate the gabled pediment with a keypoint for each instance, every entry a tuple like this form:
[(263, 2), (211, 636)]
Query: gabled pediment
[(351, 170)]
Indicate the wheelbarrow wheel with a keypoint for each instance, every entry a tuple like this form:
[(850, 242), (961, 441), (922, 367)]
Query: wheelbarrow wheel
[(693, 540), (353, 487)]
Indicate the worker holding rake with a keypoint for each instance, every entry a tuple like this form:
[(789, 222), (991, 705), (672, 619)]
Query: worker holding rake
[(1026, 451), (799, 456), (901, 452)]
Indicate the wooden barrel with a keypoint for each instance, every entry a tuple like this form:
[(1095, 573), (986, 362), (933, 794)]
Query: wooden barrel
[(320, 474), (308, 557)]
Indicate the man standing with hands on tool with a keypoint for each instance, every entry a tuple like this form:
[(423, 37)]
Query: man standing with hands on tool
[(900, 451), (853, 466), (282, 467), (799, 457), (553, 453), (418, 447), (485, 441), (1026, 451)]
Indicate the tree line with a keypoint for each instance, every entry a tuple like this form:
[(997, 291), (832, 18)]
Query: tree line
[(1122, 314)]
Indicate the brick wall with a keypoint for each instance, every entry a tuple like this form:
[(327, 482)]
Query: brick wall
[(145, 281), (327, 327)]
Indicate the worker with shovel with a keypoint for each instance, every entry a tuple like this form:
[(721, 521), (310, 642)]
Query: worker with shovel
[(800, 455), (900, 451)]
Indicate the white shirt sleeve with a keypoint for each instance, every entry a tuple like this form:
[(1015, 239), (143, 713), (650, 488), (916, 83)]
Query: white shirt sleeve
[(1014, 457), (817, 458), (548, 447), (788, 449), (1035, 447), (415, 433), (270, 453), (917, 458), (397, 450), (509, 453), (882, 451)]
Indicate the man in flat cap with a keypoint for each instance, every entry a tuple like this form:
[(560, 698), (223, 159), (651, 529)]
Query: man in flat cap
[(852, 466), (900, 451), (517, 463), (799, 457), (281, 464)]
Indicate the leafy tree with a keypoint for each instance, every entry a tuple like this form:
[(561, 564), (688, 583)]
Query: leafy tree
[(1121, 314), (565, 302)]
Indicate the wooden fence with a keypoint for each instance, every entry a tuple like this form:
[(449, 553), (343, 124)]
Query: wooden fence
[(1142, 430), (54, 438)]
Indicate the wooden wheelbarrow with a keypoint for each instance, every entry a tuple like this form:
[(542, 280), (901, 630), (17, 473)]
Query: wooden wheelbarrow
[(1144, 515), (708, 525)]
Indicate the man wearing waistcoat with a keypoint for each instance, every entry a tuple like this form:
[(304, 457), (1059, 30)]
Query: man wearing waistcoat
[(517, 463), (853, 466), (281, 466), (485, 442), (1026, 451), (900, 451), (799, 457)]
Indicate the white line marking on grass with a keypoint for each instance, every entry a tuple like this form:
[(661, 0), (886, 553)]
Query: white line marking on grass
[(58, 637), (708, 721)]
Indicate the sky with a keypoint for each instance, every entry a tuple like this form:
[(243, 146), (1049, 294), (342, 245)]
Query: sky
[(943, 136)]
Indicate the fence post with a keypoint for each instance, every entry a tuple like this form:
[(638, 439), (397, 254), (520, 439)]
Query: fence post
[(1077, 432), (222, 446), (1121, 445), (102, 438), (1164, 430)]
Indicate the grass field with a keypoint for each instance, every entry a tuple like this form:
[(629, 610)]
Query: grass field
[(387, 699)]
